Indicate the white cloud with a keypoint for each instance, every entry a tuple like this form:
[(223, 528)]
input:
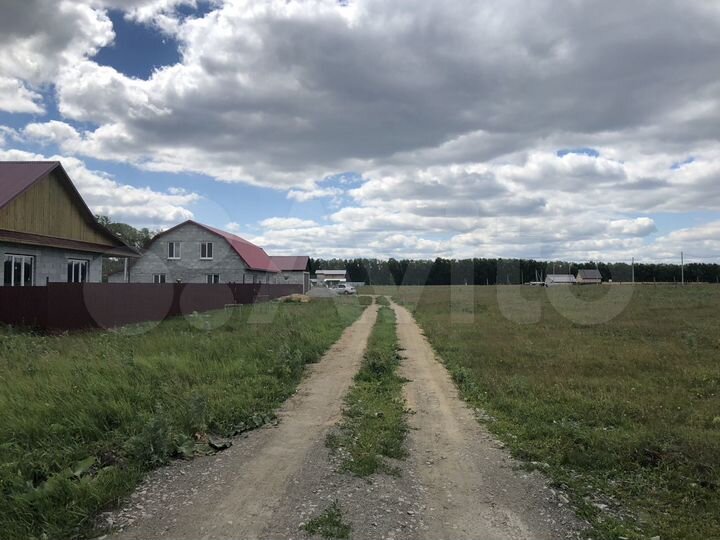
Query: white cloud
[(305, 195), (15, 97), (287, 223), (633, 227)]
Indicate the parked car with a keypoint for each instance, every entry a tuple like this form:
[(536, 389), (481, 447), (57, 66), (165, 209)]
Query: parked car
[(344, 288)]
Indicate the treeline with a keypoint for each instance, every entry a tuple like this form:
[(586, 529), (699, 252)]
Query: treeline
[(503, 271)]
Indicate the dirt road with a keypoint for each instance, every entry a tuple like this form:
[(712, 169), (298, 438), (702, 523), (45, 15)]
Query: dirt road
[(235, 494), (457, 484), (469, 487)]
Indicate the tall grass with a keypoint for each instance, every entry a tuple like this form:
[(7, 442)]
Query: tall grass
[(625, 414), (84, 416)]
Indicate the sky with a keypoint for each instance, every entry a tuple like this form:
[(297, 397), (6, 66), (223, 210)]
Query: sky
[(365, 128)]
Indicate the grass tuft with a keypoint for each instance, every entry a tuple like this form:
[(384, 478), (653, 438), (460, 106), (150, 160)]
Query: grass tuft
[(329, 524)]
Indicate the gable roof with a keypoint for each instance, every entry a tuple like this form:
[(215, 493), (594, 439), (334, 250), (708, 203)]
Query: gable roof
[(253, 256), (16, 177), (589, 273), (291, 263)]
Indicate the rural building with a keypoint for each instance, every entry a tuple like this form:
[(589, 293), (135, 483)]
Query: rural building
[(330, 277), (47, 232), (195, 253), (293, 270), (589, 277), (559, 279)]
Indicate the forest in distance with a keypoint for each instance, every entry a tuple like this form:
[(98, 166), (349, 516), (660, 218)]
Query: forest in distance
[(481, 271)]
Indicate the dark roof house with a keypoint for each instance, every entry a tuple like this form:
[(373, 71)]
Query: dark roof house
[(590, 275), (47, 232)]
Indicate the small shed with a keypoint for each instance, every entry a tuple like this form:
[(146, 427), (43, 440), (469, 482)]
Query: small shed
[(293, 269), (559, 279), (589, 277)]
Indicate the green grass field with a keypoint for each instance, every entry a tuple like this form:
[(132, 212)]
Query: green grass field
[(84, 416), (625, 414), (374, 419)]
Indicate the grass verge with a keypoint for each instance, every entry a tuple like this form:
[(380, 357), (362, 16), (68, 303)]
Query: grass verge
[(374, 419), (625, 415), (329, 524), (85, 415)]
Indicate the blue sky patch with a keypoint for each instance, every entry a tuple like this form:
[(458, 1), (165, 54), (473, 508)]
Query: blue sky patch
[(138, 49), (680, 164), (591, 152)]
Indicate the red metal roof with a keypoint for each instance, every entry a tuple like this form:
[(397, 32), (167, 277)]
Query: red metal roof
[(291, 263), (254, 256), (17, 176)]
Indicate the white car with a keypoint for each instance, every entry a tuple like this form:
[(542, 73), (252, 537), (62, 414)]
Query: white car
[(343, 288)]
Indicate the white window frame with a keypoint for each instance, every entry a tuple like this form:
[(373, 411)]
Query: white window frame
[(21, 258), (159, 279), (209, 251), (212, 279), (176, 251), (79, 263)]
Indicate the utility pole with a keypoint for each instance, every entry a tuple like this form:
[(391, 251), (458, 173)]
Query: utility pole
[(633, 269), (682, 268)]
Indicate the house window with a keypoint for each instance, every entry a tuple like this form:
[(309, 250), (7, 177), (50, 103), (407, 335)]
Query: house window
[(159, 278), (173, 250), (18, 270), (206, 250), (77, 270), (213, 279)]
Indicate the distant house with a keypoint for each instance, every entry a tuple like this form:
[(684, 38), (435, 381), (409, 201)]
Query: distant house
[(293, 270), (559, 279), (330, 277), (47, 232), (195, 253), (589, 277)]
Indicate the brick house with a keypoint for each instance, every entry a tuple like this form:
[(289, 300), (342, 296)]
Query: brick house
[(195, 253)]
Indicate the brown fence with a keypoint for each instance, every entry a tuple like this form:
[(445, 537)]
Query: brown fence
[(67, 306)]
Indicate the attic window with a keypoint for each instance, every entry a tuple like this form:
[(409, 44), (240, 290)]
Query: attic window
[(206, 250), (173, 250)]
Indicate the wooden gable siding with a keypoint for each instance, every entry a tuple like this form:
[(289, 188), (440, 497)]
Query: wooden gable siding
[(49, 209)]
